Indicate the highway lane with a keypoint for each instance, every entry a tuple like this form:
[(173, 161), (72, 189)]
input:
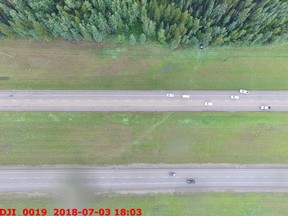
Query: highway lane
[(143, 179), (140, 101)]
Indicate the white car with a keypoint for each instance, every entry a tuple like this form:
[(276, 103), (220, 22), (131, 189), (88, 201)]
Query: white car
[(208, 103), (185, 96), (243, 91), (170, 95), (234, 97), (265, 107)]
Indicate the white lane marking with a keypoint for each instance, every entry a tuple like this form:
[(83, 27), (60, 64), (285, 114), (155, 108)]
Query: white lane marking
[(93, 94), (142, 178), (119, 172), (135, 183)]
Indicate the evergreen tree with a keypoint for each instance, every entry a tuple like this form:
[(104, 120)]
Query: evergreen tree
[(161, 36), (142, 39), (132, 39), (168, 21), (6, 31), (97, 36), (157, 15)]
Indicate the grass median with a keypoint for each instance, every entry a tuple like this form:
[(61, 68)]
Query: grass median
[(35, 138), (82, 65), (200, 204)]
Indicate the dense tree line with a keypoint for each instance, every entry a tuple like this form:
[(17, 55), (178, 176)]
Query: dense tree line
[(171, 22)]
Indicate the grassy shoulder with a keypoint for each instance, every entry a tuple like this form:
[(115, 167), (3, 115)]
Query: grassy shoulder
[(200, 204), (67, 65), (35, 138)]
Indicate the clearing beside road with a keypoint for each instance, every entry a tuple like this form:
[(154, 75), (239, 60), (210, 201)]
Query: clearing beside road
[(82, 65)]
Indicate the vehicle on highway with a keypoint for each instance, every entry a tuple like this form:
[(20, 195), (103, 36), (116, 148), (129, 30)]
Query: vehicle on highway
[(234, 97), (243, 91), (208, 103), (185, 96), (172, 174), (265, 107), (190, 181), (169, 95)]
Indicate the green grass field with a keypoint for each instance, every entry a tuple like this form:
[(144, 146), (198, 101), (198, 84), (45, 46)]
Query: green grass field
[(34, 138), (199, 204), (67, 65)]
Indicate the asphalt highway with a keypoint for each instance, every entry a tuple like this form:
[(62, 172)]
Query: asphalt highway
[(143, 180), (141, 101)]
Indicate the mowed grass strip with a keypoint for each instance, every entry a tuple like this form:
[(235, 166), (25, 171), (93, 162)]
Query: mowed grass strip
[(35, 138), (82, 65), (200, 204)]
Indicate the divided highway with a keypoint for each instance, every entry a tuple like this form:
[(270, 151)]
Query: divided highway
[(142, 180), (141, 101)]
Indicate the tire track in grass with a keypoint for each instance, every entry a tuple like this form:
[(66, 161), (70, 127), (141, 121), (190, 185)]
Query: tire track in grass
[(141, 136), (10, 56), (152, 128)]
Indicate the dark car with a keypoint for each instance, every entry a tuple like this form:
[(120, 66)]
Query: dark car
[(201, 46), (190, 181), (172, 173)]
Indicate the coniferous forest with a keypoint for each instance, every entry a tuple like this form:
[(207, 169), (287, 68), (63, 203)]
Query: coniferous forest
[(172, 22)]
